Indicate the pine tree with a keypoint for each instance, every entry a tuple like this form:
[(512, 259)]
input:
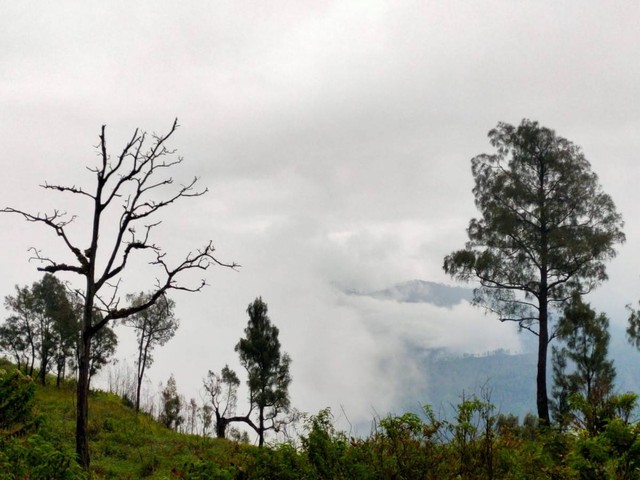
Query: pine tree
[(546, 228), (583, 374), (267, 369)]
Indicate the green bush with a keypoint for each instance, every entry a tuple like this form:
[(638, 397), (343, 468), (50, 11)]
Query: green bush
[(35, 458), (16, 398)]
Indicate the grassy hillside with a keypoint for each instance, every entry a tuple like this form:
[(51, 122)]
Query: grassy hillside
[(122, 444)]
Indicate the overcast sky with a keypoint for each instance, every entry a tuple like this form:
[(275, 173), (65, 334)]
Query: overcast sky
[(335, 139)]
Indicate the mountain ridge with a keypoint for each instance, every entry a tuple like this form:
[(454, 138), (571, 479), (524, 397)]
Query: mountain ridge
[(420, 291)]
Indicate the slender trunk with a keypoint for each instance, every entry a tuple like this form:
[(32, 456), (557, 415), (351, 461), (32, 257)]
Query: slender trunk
[(33, 355), (261, 427), (142, 363), (138, 394), (44, 365), (82, 438), (44, 352), (542, 399), (61, 367)]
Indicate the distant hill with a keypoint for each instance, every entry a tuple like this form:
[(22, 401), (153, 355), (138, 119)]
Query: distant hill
[(507, 379), (421, 291), (510, 379)]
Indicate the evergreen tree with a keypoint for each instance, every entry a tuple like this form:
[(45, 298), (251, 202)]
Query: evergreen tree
[(267, 369), (170, 405), (582, 394), (545, 231)]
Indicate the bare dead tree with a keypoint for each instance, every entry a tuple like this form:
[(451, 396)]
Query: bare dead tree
[(135, 181)]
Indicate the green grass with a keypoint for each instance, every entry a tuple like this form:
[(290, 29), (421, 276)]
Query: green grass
[(126, 445)]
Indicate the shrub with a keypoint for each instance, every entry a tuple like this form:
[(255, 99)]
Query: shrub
[(16, 398)]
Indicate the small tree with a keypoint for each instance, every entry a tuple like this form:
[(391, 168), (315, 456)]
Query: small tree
[(16, 398), (57, 324), (130, 188), (223, 394), (545, 231), (170, 405), (22, 326), (582, 395), (154, 326), (13, 343), (42, 327), (193, 415), (206, 418), (267, 370)]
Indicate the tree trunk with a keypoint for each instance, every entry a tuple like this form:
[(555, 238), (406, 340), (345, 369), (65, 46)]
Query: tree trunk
[(221, 426), (137, 407), (82, 437), (44, 362), (261, 427), (33, 356), (142, 363), (542, 400), (61, 372)]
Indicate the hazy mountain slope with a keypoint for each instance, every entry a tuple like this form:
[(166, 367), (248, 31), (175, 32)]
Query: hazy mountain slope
[(421, 291), (506, 380)]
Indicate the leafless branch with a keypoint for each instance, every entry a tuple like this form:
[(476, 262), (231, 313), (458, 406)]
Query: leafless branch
[(72, 189), (56, 222)]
